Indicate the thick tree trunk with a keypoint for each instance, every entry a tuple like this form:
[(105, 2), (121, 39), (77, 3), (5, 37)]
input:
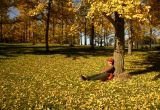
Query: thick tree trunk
[(47, 25), (92, 36), (119, 44)]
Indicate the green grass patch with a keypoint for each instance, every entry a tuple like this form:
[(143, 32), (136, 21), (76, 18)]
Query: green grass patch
[(30, 81)]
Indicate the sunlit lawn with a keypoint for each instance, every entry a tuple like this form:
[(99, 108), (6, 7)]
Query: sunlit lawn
[(31, 81)]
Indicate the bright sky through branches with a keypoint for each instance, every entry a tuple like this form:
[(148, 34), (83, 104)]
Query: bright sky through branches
[(13, 12)]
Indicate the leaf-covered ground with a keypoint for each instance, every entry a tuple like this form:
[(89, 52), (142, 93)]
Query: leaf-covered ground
[(53, 82)]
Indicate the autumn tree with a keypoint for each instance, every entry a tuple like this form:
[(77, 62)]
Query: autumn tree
[(116, 11), (4, 19)]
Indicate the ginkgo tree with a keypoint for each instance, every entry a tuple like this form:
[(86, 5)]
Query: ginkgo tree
[(117, 11)]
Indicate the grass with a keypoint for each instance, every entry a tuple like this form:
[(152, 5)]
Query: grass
[(38, 81)]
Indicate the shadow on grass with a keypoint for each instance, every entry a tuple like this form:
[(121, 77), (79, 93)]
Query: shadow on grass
[(153, 59), (12, 50)]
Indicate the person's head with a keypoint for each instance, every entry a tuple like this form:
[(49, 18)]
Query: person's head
[(110, 61)]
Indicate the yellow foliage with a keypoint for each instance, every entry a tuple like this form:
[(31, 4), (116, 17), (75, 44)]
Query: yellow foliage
[(39, 8), (129, 9)]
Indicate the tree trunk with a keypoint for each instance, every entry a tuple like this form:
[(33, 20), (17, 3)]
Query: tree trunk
[(101, 42), (85, 37), (33, 39), (81, 43), (26, 23), (53, 30), (1, 29), (92, 36), (137, 45), (130, 44), (130, 41), (150, 42), (47, 25), (119, 44), (61, 39), (29, 32), (62, 26), (24, 33)]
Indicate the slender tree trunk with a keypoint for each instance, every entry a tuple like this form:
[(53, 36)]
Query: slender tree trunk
[(85, 37), (101, 41), (150, 43), (29, 32), (1, 29), (47, 25), (119, 44), (137, 45), (1, 26), (130, 45), (81, 40), (24, 33), (92, 35), (130, 41), (53, 31), (61, 40), (33, 39)]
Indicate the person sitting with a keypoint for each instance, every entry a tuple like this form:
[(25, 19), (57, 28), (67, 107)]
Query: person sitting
[(106, 75)]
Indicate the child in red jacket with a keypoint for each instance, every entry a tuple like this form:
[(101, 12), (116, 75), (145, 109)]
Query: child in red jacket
[(106, 75)]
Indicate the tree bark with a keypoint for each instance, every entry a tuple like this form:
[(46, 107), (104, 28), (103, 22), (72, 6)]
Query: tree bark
[(119, 44), (47, 25)]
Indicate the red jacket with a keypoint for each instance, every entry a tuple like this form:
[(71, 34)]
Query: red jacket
[(110, 70)]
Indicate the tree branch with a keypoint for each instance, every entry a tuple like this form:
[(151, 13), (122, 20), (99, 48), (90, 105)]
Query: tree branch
[(109, 18)]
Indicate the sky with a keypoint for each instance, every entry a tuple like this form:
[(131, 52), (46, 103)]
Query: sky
[(13, 12)]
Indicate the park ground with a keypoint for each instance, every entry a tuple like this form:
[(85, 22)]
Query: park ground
[(33, 80)]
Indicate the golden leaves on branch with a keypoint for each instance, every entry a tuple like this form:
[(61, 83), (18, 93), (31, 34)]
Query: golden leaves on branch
[(129, 9), (38, 9)]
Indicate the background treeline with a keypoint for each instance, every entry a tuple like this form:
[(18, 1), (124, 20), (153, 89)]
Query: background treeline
[(24, 21)]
